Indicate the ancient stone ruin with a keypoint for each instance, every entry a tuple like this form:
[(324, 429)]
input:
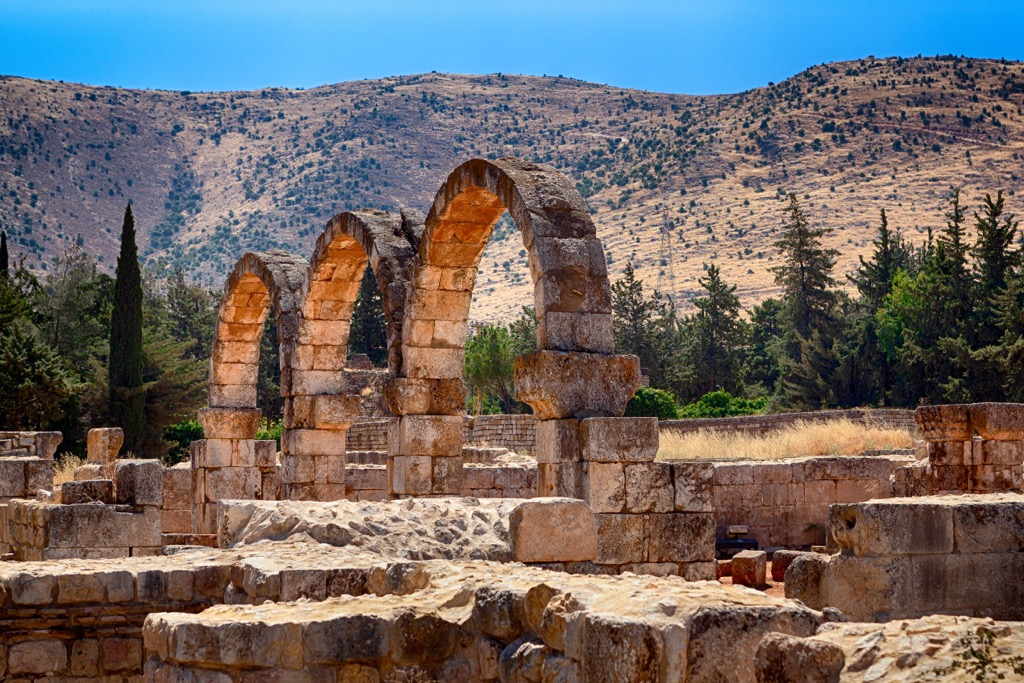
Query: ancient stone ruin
[(394, 538)]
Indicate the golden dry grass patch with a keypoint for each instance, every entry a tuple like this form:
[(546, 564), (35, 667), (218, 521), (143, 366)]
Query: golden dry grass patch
[(64, 468), (802, 438)]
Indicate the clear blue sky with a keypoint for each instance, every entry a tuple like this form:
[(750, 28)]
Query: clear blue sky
[(682, 46)]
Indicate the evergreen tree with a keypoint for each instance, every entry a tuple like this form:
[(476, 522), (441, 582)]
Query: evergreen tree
[(368, 333), (191, 315), (127, 392), (490, 354), (641, 325), (34, 382), (719, 335), (873, 278), (767, 322), (5, 265), (951, 253), (994, 265)]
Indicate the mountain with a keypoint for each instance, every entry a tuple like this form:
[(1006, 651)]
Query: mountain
[(675, 182)]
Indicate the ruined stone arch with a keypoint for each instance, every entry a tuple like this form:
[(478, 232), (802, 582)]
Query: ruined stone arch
[(573, 373)]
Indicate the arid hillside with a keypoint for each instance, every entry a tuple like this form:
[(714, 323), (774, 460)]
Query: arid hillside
[(674, 181)]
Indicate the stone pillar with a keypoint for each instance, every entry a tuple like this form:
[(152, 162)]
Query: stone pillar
[(997, 458), (947, 431), (224, 463), (425, 440), (313, 445)]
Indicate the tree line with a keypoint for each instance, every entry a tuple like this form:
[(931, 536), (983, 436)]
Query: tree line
[(938, 322)]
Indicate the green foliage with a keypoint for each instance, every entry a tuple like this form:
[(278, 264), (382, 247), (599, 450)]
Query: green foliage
[(647, 402), (124, 370), (35, 384), (178, 436), (490, 351), (368, 333), (723, 404), (718, 335), (270, 430), (5, 258)]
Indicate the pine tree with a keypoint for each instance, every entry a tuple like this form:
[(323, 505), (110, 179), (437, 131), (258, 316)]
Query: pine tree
[(368, 333), (719, 335), (951, 251), (124, 369), (873, 278), (5, 265), (644, 327), (767, 321)]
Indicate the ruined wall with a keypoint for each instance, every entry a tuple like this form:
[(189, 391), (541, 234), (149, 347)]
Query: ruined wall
[(762, 424), (785, 503), (369, 482)]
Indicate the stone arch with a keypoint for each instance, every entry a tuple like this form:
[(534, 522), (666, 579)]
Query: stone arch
[(318, 412), (572, 297), (226, 463)]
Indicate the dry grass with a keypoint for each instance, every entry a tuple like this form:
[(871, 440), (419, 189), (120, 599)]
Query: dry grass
[(839, 437), (64, 468)]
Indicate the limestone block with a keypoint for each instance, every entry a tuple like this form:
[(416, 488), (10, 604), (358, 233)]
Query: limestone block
[(648, 487), (38, 475), (557, 441), (857, 491), (229, 423), (222, 452), (998, 421), (85, 657), (47, 443), (559, 384), (804, 578), (313, 442), (139, 482), (233, 373), (950, 453), (329, 469), (988, 478), (868, 588), (606, 487), (86, 472), (694, 486), (235, 352), (177, 488), (733, 474), (103, 526), (419, 362), (997, 453), (233, 483), (944, 423), (265, 454), (103, 445), (358, 637), (748, 568), (699, 571), (410, 475), (176, 521), (90, 491), (981, 526), (317, 382), (446, 476), (553, 530), (12, 478), (680, 537), (588, 332), (783, 658), (336, 412), (232, 395), (568, 480), (781, 559), (409, 396), (47, 657), (298, 469), (271, 485), (613, 650), (428, 435), (619, 439), (883, 528), (955, 478), (621, 539)]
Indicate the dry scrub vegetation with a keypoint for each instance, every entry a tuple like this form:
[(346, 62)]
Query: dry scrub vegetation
[(64, 468), (841, 437)]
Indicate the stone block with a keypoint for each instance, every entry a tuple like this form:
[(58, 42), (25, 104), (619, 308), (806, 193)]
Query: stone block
[(867, 588), (298, 469), (990, 478), (954, 478), (232, 395), (699, 571), (177, 488), (576, 331), (420, 362), (781, 559), (748, 568), (90, 491), (47, 657), (944, 423), (648, 487), (568, 480), (680, 537), (998, 421), (428, 435), (103, 526), (176, 521), (86, 472), (229, 423), (103, 445), (410, 475), (557, 441), (409, 396), (804, 578), (38, 475), (782, 658), (880, 528), (619, 439), (560, 385), (998, 453), (336, 412), (265, 453), (12, 478), (733, 474), (621, 539), (446, 476), (553, 530), (47, 443), (312, 442), (606, 487), (950, 453), (139, 482), (233, 483), (857, 491), (981, 526)]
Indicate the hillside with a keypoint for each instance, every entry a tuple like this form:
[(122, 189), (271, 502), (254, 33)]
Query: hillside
[(674, 181)]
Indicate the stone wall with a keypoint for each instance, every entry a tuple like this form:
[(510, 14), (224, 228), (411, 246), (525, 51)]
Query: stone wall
[(762, 424), (514, 432), (909, 557), (369, 482), (785, 503)]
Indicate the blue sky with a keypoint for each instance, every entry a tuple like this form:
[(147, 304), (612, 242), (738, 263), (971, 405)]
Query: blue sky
[(683, 47)]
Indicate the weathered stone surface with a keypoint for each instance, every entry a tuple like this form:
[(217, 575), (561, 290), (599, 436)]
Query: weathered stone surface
[(680, 537), (998, 421), (553, 530), (89, 491), (944, 423), (804, 578), (619, 439), (561, 385), (103, 445), (37, 657), (648, 487), (439, 435), (557, 441), (781, 559), (694, 487), (139, 482), (892, 527), (229, 423), (408, 396), (749, 568), (787, 659)]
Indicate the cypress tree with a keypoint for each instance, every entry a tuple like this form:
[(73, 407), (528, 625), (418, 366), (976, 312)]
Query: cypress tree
[(368, 332), (720, 335), (124, 366), (5, 266), (874, 278)]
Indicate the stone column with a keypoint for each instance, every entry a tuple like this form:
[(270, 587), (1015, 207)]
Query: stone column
[(313, 445), (224, 463), (948, 433), (425, 440), (997, 458)]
